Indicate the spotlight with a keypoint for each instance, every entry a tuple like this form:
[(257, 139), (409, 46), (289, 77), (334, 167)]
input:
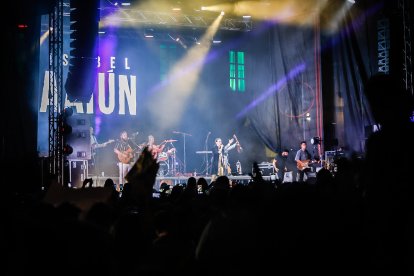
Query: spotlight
[(315, 140), (246, 18), (196, 41), (203, 8), (351, 1), (222, 13), (216, 38), (149, 33)]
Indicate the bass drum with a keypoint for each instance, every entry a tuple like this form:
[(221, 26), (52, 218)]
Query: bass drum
[(164, 168), (162, 156)]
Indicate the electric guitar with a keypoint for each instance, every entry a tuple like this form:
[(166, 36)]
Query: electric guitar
[(97, 146), (301, 165)]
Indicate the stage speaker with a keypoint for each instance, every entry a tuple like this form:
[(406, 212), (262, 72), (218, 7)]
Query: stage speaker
[(288, 177), (78, 172), (82, 70), (79, 139), (310, 177)]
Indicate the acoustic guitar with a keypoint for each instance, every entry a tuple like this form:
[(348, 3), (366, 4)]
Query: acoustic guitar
[(126, 156)]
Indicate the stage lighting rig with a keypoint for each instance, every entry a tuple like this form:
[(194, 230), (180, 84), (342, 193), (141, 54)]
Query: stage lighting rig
[(315, 140)]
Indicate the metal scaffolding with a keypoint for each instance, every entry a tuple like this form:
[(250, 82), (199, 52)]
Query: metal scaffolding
[(55, 90), (407, 77), (383, 45), (136, 17)]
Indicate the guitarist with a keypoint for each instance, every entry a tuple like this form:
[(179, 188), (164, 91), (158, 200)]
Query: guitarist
[(124, 151), (302, 159), (94, 162)]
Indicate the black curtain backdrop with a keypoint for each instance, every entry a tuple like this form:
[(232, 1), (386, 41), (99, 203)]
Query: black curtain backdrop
[(354, 62), (283, 81)]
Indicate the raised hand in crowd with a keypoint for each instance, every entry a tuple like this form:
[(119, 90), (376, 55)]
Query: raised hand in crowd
[(143, 174)]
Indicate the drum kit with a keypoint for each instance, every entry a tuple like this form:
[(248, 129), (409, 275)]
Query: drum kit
[(167, 160)]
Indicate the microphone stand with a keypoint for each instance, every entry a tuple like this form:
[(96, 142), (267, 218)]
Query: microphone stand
[(184, 135), (206, 154), (134, 150), (173, 167)]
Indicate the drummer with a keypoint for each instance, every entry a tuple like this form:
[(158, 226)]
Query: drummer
[(171, 151), (154, 148)]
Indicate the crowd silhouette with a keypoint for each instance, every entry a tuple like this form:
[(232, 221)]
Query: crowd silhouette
[(356, 221)]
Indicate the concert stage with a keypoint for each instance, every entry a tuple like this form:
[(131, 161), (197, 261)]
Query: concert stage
[(174, 180), (183, 179)]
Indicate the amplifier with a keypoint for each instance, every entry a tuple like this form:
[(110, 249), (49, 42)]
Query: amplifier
[(77, 173), (266, 168)]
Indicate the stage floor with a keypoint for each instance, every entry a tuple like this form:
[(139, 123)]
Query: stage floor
[(100, 180)]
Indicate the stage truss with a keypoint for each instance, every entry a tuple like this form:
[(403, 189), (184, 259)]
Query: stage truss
[(55, 90), (136, 17)]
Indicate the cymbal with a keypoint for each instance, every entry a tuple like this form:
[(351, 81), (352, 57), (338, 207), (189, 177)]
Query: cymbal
[(169, 141)]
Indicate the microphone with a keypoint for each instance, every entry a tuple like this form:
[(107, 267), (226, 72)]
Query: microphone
[(209, 133)]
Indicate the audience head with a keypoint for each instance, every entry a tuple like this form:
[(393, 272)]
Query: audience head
[(388, 100), (109, 183)]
